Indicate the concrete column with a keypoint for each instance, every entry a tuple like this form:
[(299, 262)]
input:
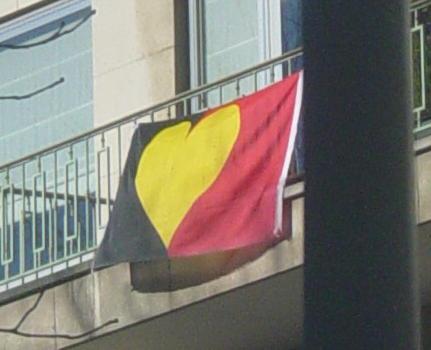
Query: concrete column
[(360, 282)]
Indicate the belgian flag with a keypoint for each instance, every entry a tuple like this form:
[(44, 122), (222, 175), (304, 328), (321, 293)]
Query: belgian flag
[(206, 184)]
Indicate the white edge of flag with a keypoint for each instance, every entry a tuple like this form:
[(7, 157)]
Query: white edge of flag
[(278, 225)]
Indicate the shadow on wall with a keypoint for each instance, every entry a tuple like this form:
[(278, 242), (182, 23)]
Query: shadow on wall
[(184, 272), (179, 273)]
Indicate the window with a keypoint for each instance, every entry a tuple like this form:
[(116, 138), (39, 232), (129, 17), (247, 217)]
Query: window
[(46, 96), (228, 36), (46, 90)]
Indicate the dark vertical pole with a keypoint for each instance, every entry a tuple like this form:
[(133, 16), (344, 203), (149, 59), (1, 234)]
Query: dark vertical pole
[(360, 286)]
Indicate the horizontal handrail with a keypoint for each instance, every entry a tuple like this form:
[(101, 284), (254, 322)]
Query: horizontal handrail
[(415, 5), (172, 101)]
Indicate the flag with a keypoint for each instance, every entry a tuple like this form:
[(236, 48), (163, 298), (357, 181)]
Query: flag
[(206, 184)]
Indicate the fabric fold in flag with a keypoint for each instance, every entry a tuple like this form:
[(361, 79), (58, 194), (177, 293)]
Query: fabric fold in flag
[(208, 183)]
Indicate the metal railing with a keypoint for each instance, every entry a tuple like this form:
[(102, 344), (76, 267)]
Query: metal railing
[(55, 203), (421, 59)]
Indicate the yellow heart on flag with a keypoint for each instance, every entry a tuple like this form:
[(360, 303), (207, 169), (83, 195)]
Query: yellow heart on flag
[(180, 163)]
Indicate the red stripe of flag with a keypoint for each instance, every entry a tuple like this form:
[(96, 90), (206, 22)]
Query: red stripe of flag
[(242, 207)]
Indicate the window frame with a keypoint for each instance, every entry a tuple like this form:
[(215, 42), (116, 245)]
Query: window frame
[(37, 18), (269, 33), (24, 24)]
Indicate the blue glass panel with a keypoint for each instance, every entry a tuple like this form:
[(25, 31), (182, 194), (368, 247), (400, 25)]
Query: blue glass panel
[(63, 64), (86, 240)]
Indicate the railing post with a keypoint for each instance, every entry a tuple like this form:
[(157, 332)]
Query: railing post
[(360, 283)]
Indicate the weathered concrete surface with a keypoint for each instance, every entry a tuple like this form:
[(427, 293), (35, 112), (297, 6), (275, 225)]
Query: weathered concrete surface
[(84, 303), (41, 321), (423, 182), (263, 315), (133, 56), (424, 269)]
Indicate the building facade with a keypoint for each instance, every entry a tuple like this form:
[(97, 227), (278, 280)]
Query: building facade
[(76, 76)]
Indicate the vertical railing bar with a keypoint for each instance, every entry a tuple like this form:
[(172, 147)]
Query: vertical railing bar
[(2, 225), (221, 93), (108, 179), (6, 262), (184, 100), (5, 251), (193, 104), (200, 102), (5, 217), (55, 208), (12, 236), (203, 99), (34, 222), (50, 233), (42, 232), (87, 193), (237, 87), (66, 210), (8, 232), (12, 225), (423, 87), (75, 205), (46, 223), (98, 211), (419, 29), (184, 103), (189, 106), (108, 166), (418, 111), (272, 73), (68, 237), (4, 233), (43, 178), (22, 224), (99, 159), (169, 111), (120, 167)]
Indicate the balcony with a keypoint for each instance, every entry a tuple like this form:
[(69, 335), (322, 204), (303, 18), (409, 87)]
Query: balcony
[(55, 203), (421, 61)]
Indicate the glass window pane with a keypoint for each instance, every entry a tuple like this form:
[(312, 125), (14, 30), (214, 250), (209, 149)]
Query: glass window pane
[(231, 40), (46, 90)]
